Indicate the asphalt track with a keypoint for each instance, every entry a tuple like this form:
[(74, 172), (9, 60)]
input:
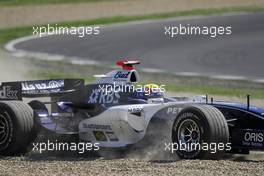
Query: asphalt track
[(238, 54)]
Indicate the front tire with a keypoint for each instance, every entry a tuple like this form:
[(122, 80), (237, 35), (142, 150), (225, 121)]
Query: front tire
[(200, 132)]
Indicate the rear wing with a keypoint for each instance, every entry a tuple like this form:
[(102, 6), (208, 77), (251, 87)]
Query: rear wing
[(39, 88)]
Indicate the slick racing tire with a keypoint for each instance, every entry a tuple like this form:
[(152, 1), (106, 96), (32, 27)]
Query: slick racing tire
[(200, 132), (16, 128)]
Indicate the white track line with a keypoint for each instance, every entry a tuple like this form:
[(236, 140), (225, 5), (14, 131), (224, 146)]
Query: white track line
[(10, 46)]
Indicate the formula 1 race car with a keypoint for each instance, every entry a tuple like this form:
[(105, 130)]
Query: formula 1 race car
[(116, 112)]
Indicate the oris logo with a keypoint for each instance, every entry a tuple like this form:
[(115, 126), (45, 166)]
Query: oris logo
[(254, 137)]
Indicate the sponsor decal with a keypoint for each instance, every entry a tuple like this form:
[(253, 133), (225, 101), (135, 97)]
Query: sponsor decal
[(97, 127), (7, 93), (52, 85), (100, 97), (10, 91), (136, 108), (173, 110), (250, 138), (99, 136), (122, 75), (55, 84), (253, 139), (111, 136)]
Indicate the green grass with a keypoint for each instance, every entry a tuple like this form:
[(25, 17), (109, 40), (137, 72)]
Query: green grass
[(41, 2), (12, 33)]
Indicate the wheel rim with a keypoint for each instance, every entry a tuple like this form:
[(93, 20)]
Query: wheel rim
[(5, 129), (189, 134)]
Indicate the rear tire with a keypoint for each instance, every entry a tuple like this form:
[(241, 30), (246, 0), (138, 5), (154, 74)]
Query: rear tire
[(16, 127), (203, 125)]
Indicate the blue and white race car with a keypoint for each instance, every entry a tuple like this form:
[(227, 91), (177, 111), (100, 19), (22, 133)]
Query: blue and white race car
[(115, 112)]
